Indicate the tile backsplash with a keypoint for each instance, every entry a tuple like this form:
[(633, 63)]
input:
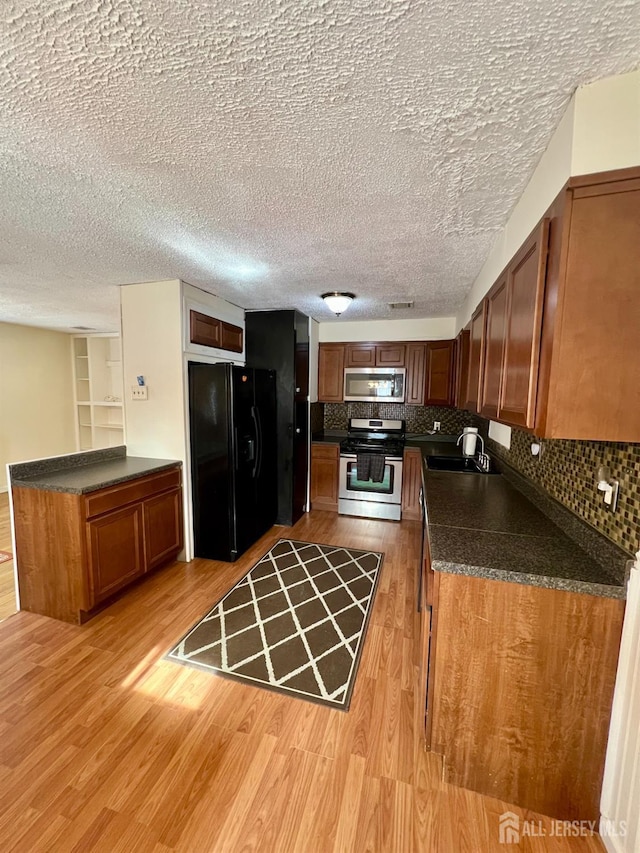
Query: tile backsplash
[(419, 419), (566, 470)]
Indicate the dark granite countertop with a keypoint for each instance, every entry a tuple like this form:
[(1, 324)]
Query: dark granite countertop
[(329, 436), (497, 527), (81, 473)]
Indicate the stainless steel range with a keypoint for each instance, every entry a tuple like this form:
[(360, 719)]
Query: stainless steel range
[(375, 446)]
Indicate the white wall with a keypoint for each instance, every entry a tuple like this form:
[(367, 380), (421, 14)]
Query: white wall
[(607, 125), (152, 347), (314, 330), (435, 329), (599, 131), (36, 395)]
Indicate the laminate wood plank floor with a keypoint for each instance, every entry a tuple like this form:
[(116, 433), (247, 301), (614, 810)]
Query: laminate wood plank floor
[(105, 746), (7, 586)]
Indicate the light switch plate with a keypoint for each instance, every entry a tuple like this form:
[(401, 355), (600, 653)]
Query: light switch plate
[(139, 392)]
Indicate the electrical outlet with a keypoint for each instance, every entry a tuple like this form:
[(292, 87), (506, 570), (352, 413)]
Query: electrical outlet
[(139, 392), (436, 426)]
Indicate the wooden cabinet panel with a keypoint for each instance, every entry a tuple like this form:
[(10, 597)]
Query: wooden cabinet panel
[(462, 366), (204, 330), (390, 355), (331, 373), (496, 302), (75, 551), (360, 355), (525, 298), (594, 390), (439, 373), (121, 494), (373, 354), (524, 680), (162, 527), (325, 459), (231, 337), (411, 483), (211, 332), (115, 551), (476, 358), (415, 379)]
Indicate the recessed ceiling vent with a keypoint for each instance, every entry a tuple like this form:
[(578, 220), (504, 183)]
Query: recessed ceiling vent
[(83, 328), (401, 305)]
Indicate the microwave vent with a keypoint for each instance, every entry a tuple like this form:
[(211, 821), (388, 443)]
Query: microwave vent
[(396, 305)]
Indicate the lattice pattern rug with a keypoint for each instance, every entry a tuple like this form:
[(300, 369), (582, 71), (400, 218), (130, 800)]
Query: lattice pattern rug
[(295, 623)]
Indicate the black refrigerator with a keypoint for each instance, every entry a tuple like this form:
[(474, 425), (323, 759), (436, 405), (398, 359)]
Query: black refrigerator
[(233, 457)]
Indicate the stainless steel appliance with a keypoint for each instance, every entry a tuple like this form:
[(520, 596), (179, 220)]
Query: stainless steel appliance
[(374, 384), (382, 497)]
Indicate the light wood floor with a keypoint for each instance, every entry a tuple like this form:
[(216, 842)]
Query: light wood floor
[(7, 587), (104, 746)]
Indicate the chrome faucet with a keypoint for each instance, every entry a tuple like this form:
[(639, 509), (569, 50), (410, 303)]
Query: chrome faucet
[(483, 461)]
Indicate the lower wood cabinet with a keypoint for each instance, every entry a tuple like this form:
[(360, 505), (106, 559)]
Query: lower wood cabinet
[(325, 459), (75, 551), (519, 682), (411, 483), (115, 551)]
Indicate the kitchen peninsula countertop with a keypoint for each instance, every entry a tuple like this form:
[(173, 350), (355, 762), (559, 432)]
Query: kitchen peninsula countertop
[(81, 473), (504, 528)]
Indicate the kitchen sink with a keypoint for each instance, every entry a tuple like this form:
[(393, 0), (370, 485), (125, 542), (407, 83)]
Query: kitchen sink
[(458, 463)]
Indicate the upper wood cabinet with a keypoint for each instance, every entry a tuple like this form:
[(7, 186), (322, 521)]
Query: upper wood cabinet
[(525, 298), (415, 379), (589, 382), (375, 355), (496, 307), (476, 357), (462, 366), (331, 373), (559, 353), (211, 332), (439, 373)]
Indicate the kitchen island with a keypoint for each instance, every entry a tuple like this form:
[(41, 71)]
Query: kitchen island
[(521, 629), (87, 525)]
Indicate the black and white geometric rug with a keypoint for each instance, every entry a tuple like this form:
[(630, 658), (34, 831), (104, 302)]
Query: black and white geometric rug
[(295, 623)]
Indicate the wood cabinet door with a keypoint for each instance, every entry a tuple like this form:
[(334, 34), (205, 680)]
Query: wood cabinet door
[(411, 483), (360, 355), (204, 330), (439, 373), (476, 357), (331, 373), (162, 527), (462, 366), (390, 355), (525, 299), (231, 337), (496, 302), (415, 379), (116, 551), (325, 460)]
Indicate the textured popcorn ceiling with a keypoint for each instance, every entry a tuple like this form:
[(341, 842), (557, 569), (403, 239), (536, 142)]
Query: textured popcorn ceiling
[(268, 150)]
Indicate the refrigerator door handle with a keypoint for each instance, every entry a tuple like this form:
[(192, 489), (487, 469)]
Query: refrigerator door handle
[(256, 420), (236, 461)]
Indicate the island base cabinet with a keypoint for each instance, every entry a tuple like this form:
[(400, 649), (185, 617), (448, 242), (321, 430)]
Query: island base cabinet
[(74, 552), (162, 517), (522, 692), (116, 551)]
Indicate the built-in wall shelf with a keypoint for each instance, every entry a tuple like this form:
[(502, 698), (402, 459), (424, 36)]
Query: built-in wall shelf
[(98, 388)]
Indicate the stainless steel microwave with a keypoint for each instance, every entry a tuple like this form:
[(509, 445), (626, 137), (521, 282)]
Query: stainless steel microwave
[(374, 384)]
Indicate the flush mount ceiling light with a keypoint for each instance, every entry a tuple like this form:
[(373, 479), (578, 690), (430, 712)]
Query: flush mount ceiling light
[(338, 302)]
